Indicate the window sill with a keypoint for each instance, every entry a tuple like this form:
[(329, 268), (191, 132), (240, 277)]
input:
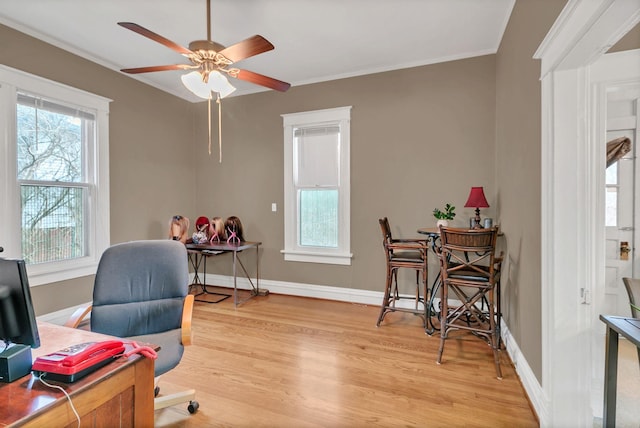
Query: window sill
[(48, 273), (318, 257)]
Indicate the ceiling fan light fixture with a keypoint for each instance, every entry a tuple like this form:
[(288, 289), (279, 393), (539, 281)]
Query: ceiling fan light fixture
[(210, 62), (193, 82), (218, 83)]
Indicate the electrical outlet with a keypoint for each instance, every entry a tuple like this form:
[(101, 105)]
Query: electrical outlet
[(274, 207)]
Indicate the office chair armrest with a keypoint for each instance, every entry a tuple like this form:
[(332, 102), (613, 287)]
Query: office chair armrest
[(78, 316), (187, 313)]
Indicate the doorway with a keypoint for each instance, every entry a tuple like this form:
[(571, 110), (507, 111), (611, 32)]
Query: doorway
[(615, 103), (572, 263), (621, 202)]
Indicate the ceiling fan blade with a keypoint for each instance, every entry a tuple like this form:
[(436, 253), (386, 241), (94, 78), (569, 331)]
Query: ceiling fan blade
[(259, 79), (155, 37), (157, 68), (247, 48)]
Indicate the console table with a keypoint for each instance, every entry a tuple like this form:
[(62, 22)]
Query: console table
[(210, 250), (118, 394)]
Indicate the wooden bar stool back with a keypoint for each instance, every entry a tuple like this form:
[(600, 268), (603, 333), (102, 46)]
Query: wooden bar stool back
[(470, 276), (404, 254)]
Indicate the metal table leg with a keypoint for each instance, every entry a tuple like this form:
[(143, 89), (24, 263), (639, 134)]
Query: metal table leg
[(610, 379)]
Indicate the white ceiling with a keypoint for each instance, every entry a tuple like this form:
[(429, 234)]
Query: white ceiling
[(315, 40)]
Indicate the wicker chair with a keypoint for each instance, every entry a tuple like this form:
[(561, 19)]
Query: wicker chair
[(470, 274), (404, 254)]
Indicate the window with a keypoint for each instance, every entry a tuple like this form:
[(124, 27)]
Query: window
[(56, 192), (619, 177), (611, 196), (316, 186)]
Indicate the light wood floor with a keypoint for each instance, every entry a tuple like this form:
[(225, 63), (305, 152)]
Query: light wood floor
[(283, 361)]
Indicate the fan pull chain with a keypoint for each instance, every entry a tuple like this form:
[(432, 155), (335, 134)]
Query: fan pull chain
[(209, 121), (219, 101), (219, 129)]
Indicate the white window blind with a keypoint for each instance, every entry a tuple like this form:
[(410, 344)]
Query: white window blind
[(317, 150)]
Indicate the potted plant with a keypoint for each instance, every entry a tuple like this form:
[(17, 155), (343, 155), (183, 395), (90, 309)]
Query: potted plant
[(445, 215)]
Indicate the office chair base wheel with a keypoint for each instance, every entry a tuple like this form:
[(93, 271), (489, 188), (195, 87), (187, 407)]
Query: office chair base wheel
[(193, 407)]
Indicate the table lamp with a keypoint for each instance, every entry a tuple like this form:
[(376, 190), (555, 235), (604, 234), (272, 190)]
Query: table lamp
[(477, 200)]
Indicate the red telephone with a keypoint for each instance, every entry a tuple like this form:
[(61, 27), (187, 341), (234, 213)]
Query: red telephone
[(72, 363)]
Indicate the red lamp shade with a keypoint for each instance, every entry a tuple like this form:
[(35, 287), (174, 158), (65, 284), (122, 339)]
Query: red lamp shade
[(476, 199)]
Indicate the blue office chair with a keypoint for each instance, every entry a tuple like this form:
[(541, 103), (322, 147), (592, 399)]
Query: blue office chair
[(141, 294)]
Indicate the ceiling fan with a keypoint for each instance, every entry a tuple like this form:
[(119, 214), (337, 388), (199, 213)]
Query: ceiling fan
[(211, 60)]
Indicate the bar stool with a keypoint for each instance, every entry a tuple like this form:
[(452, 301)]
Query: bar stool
[(408, 254), (470, 270)]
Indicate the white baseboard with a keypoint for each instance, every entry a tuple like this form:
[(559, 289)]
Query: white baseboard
[(529, 381), (341, 294)]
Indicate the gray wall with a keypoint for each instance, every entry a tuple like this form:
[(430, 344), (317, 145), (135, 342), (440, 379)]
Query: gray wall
[(518, 127), (420, 137), (630, 41)]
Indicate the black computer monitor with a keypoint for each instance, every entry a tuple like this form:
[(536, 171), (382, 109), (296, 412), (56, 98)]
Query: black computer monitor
[(17, 317)]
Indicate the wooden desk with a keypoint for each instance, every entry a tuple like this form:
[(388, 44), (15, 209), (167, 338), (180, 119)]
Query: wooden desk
[(118, 394), (209, 250), (629, 328)]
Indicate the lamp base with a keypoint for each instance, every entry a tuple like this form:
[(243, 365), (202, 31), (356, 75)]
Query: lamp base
[(477, 221)]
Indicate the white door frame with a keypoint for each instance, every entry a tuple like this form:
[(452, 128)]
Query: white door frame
[(572, 258)]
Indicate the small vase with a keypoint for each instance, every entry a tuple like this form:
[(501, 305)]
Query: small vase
[(442, 223)]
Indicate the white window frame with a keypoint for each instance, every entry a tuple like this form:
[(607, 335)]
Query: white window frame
[(98, 219), (340, 116)]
